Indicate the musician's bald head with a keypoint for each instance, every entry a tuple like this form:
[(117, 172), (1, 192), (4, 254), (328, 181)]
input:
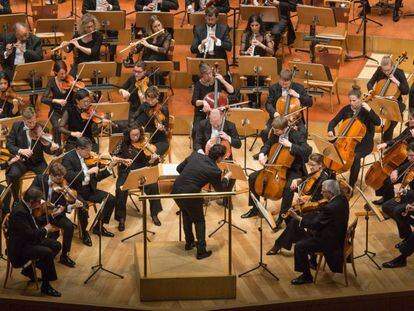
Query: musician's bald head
[(21, 31), (215, 118)]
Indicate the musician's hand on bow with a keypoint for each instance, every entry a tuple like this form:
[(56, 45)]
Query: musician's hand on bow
[(206, 107), (398, 190), (366, 106), (394, 79), (76, 134), (394, 176), (154, 157), (94, 170), (293, 93), (381, 146), (78, 204), (409, 208), (61, 102), (49, 227), (285, 142), (262, 159), (224, 136), (25, 152), (295, 183), (331, 134), (58, 210), (161, 127), (293, 214), (54, 147), (127, 162)]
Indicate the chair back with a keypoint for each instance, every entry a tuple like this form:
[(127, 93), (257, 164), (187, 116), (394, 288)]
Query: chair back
[(170, 52), (349, 237), (328, 55), (5, 227), (44, 11)]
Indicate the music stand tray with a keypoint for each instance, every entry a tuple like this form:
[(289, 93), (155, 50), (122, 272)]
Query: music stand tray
[(265, 66), (31, 71), (386, 108), (199, 18), (269, 14), (118, 111), (110, 20), (327, 149), (8, 20), (193, 64), (142, 19), (97, 70), (52, 25)]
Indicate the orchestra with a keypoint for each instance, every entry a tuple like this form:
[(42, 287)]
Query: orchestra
[(305, 180)]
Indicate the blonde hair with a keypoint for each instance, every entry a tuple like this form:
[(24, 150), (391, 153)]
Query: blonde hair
[(86, 19)]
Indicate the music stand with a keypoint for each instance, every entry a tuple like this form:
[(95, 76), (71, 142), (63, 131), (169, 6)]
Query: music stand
[(142, 19), (199, 18), (193, 64), (100, 266), (160, 66), (269, 14), (270, 221), (327, 149), (97, 70), (237, 174), (386, 108), (247, 119), (114, 140), (31, 71), (8, 20), (139, 178), (114, 111), (315, 16), (8, 122)]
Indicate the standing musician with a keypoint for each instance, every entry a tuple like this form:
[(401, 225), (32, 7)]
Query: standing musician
[(298, 147), (133, 150), (368, 117), (21, 47), (88, 48), (103, 6), (84, 180), (202, 87), (223, 6), (293, 232), (5, 7), (156, 5), (256, 42), (280, 90), (25, 140), (330, 226), (27, 241), (196, 171), (155, 119), (51, 185), (384, 72), (9, 102), (134, 88), (211, 40)]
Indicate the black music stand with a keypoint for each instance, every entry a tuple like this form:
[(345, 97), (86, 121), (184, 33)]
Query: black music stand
[(32, 72), (364, 19)]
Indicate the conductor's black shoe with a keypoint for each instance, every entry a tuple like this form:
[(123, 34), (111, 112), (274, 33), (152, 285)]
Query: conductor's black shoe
[(251, 213), (256, 156), (395, 263), (400, 244), (103, 232), (203, 254), (155, 220), (302, 279), (274, 250), (50, 291), (67, 261), (28, 272), (189, 246), (121, 225), (379, 201), (86, 239)]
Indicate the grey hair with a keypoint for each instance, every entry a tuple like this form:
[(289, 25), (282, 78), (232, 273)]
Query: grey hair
[(386, 60), (19, 25), (331, 186), (204, 67)]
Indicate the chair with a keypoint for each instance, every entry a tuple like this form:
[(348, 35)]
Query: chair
[(348, 252), (29, 175), (170, 135), (284, 44), (44, 11), (76, 219), (9, 268)]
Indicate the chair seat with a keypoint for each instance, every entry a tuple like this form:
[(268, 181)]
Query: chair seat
[(28, 175), (19, 83), (319, 83), (49, 35)]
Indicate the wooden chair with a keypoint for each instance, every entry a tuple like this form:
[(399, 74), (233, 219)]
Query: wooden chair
[(170, 135), (76, 217), (348, 252), (44, 11), (170, 55), (29, 175), (9, 268)]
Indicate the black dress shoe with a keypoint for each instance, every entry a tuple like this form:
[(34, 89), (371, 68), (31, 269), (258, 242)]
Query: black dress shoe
[(86, 239), (50, 291), (121, 225), (189, 246), (103, 232), (395, 263), (67, 261), (204, 254), (155, 220), (400, 244), (251, 213), (379, 201), (28, 272), (274, 250), (302, 279)]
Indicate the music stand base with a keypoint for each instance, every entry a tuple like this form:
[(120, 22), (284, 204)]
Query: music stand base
[(362, 56), (221, 225), (138, 233), (260, 265), (2, 257), (98, 268), (371, 256)]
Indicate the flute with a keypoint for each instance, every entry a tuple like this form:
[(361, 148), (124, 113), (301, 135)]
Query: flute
[(77, 39), (131, 45)]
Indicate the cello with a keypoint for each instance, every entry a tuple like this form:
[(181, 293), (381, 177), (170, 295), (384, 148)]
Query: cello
[(219, 140), (216, 99), (288, 105)]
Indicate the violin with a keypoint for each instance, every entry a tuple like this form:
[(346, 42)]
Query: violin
[(9, 94), (93, 115), (96, 159), (305, 207), (147, 148), (407, 179), (37, 133), (289, 105), (155, 113), (70, 82), (69, 194), (141, 86), (309, 183)]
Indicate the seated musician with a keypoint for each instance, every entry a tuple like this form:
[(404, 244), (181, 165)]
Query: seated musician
[(85, 180), (293, 232), (49, 184), (330, 226), (212, 39), (411, 97), (156, 5), (21, 47), (24, 140), (383, 72), (196, 171), (154, 116), (29, 242), (129, 150), (395, 16), (298, 147), (202, 87), (9, 106), (281, 89), (256, 42), (5, 7), (223, 6), (88, 48), (368, 117), (103, 6), (73, 124), (134, 88), (5, 204)]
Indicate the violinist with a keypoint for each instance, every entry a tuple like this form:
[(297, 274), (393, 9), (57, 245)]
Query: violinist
[(134, 88), (293, 232), (9, 103), (384, 72), (85, 179), (4, 165), (296, 143), (25, 140), (50, 185), (223, 6), (73, 124), (130, 148), (368, 117), (156, 5), (202, 87), (28, 241)]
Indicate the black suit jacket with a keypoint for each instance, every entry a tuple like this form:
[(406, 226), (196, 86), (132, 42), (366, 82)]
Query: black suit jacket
[(90, 5), (330, 226), (6, 7), (164, 6), (222, 6), (33, 52), (73, 166), (42, 182), (203, 134), (222, 33), (22, 232), (17, 139)]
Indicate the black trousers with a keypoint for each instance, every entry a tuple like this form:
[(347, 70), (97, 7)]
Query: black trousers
[(192, 212), (386, 190), (122, 197), (395, 209), (196, 124), (277, 32), (54, 120), (43, 253), (97, 196), (67, 226), (356, 166), (5, 204), (293, 233), (17, 170), (304, 248), (408, 247)]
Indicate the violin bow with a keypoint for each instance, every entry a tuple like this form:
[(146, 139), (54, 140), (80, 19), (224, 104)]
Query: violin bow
[(91, 115), (74, 82), (37, 140), (145, 145)]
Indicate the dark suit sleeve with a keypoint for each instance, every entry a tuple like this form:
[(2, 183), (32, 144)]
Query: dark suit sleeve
[(34, 53), (374, 79), (182, 165), (128, 84), (304, 98), (11, 140), (116, 6), (97, 44), (169, 4), (6, 7), (47, 96), (20, 222), (300, 147), (411, 97), (269, 143), (217, 182), (196, 95), (72, 172), (374, 117), (86, 6), (102, 174), (225, 40), (235, 138), (270, 102), (338, 118), (139, 5), (288, 5), (199, 139), (319, 222), (196, 40), (404, 87)]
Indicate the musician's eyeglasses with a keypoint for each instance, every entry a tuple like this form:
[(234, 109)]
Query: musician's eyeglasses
[(139, 71)]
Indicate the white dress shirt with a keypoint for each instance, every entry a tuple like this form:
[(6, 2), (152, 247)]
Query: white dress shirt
[(210, 43), (85, 171)]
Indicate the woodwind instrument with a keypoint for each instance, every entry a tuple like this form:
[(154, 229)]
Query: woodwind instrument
[(77, 39), (131, 45), (252, 45), (209, 41)]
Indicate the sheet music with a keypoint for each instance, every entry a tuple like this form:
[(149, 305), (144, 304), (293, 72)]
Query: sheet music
[(168, 170)]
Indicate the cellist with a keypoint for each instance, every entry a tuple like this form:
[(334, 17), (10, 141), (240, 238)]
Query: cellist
[(298, 147), (368, 117)]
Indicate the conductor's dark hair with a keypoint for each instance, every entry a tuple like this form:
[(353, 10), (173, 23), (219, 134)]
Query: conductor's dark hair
[(410, 146), (33, 194), (5, 76), (81, 94), (217, 151), (83, 143)]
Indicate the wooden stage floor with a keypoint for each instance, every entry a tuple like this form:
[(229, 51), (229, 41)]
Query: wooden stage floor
[(255, 288)]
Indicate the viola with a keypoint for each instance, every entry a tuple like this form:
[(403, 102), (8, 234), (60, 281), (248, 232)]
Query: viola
[(306, 207), (69, 194), (96, 159), (155, 113), (9, 94)]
